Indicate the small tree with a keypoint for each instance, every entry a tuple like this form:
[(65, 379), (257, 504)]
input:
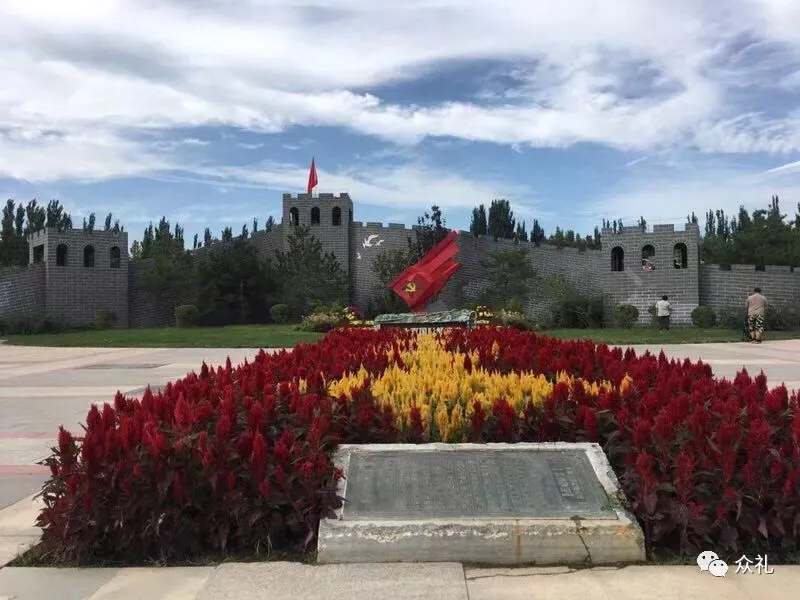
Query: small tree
[(501, 220), (510, 275), (309, 275), (478, 225)]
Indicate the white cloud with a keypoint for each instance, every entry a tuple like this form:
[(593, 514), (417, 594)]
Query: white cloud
[(631, 74), (678, 193)]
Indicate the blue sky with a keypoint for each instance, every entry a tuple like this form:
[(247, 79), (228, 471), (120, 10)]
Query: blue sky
[(206, 111)]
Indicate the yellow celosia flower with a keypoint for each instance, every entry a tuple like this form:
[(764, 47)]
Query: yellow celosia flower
[(436, 382)]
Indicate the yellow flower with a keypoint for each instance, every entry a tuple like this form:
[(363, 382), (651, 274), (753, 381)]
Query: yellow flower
[(436, 382)]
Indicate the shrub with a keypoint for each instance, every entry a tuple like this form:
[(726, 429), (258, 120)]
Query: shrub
[(280, 313), (514, 306), (732, 318), (581, 313), (30, 325), (516, 320), (105, 319), (704, 317), (322, 322), (625, 315), (187, 315)]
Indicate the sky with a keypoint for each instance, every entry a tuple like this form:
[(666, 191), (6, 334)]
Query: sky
[(206, 111)]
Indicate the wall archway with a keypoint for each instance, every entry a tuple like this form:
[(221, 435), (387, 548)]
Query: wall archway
[(115, 256), (680, 256), (617, 259), (315, 215), (336, 216), (88, 256), (61, 255), (294, 216)]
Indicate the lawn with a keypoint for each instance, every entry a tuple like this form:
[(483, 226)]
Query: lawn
[(284, 336)]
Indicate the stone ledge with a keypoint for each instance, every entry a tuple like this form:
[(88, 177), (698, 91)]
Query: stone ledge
[(485, 540)]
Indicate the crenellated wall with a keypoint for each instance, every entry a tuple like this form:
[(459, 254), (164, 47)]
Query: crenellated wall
[(642, 288), (72, 292), (22, 291), (725, 288)]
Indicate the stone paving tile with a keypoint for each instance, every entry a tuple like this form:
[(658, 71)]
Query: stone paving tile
[(52, 584), (155, 584), (294, 581), (14, 487), (635, 582)]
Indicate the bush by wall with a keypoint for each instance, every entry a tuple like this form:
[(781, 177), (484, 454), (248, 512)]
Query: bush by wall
[(228, 460), (30, 325), (704, 317), (280, 313), (187, 315), (625, 316)]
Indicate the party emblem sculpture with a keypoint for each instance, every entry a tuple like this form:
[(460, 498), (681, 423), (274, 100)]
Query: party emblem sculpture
[(421, 282)]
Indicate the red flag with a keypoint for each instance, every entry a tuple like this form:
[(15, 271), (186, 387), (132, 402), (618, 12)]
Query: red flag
[(312, 177)]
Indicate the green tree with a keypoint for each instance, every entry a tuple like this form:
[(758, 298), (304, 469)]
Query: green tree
[(430, 230), (478, 225), (88, 225), (387, 265), (521, 234), (234, 284), (307, 274), (510, 275), (537, 233), (501, 223), (173, 274)]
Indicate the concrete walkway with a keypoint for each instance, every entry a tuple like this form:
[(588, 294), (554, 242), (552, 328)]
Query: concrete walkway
[(440, 581), (42, 388)]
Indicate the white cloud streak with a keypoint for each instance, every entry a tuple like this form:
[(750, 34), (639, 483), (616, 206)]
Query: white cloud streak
[(83, 81)]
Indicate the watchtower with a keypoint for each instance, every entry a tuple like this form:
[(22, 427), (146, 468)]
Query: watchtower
[(642, 265), (328, 216), (85, 273)]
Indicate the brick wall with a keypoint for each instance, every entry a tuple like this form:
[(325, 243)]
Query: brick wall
[(642, 288), (728, 288), (22, 291), (580, 269), (76, 291)]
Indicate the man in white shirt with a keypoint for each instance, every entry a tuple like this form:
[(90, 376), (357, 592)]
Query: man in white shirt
[(663, 311)]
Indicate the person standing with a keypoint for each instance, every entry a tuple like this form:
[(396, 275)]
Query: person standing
[(663, 311), (756, 306)]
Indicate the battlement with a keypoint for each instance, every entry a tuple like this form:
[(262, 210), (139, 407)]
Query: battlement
[(379, 225), (98, 235), (659, 229), (322, 196), (739, 268)]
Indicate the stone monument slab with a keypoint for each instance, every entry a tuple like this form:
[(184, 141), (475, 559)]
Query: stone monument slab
[(479, 503)]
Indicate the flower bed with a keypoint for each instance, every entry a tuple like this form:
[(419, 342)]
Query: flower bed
[(239, 459)]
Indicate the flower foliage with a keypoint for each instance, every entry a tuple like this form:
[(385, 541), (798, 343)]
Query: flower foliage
[(239, 459)]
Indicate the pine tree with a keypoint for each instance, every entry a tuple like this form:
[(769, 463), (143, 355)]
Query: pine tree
[(478, 225)]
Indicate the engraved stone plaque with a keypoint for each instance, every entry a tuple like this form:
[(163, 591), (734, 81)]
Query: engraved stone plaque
[(508, 484)]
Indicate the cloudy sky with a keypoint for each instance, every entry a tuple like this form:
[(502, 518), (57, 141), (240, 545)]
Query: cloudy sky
[(207, 110)]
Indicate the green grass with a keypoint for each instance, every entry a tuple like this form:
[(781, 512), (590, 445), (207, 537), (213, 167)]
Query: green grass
[(688, 335), (285, 336), (234, 336)]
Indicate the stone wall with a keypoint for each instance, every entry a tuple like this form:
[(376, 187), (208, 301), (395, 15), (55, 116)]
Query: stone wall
[(579, 269), (22, 291), (85, 273), (640, 288), (722, 288)]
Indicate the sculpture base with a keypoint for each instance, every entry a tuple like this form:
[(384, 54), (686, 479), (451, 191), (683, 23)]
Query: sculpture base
[(428, 321)]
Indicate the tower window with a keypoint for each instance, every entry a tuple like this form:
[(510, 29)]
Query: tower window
[(617, 259), (61, 255), (648, 253), (88, 256), (315, 215), (294, 216), (115, 257), (680, 256), (336, 216)]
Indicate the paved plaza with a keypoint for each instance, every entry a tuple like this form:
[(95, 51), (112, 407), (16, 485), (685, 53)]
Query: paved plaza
[(42, 388)]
